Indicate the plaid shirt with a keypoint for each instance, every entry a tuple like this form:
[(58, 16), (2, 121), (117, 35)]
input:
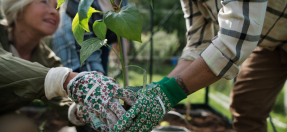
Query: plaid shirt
[(241, 26), (66, 47)]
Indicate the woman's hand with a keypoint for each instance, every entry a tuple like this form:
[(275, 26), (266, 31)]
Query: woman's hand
[(97, 98)]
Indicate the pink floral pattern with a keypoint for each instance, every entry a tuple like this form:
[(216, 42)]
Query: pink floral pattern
[(101, 105)]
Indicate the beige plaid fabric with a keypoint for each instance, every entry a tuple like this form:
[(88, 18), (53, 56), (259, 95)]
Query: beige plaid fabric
[(241, 26)]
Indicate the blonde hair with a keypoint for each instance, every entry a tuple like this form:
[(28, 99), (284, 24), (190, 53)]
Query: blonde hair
[(10, 9)]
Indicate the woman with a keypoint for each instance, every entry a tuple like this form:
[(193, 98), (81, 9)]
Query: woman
[(27, 22)]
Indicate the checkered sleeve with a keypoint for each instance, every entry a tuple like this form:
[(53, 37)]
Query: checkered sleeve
[(240, 23), (199, 26)]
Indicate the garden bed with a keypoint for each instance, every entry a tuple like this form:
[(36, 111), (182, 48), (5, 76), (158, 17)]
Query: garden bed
[(203, 119), (40, 115)]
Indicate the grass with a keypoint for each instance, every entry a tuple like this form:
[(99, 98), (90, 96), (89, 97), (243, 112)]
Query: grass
[(222, 86)]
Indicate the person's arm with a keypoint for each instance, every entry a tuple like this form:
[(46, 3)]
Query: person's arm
[(240, 23), (196, 76), (200, 31), (181, 65), (240, 28), (24, 78)]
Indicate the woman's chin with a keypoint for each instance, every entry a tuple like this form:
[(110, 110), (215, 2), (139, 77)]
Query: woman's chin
[(47, 33)]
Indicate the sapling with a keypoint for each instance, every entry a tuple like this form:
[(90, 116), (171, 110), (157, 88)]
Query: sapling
[(124, 22)]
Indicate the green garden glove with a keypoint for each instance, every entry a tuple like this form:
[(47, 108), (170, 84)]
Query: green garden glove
[(97, 97), (152, 104)]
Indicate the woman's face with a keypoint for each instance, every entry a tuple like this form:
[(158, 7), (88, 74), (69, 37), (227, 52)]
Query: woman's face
[(41, 17)]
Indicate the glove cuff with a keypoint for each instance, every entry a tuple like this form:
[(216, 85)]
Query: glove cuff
[(172, 91), (54, 81), (73, 117)]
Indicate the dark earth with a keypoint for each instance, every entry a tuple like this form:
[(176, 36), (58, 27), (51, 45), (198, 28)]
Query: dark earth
[(207, 123)]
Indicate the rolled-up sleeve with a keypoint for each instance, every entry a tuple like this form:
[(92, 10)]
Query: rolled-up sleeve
[(200, 29), (240, 25), (24, 78)]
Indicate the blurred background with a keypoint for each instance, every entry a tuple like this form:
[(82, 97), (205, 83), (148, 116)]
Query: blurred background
[(168, 41)]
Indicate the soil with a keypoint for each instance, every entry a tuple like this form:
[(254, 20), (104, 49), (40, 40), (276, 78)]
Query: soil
[(206, 122), (203, 123), (53, 121)]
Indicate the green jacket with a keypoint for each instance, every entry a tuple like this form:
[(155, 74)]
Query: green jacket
[(22, 81)]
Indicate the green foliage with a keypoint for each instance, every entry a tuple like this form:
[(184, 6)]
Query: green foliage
[(85, 22), (100, 29), (165, 45), (151, 3), (60, 2), (84, 7), (89, 46), (223, 86), (42, 126), (78, 31), (127, 23), (161, 9), (279, 103)]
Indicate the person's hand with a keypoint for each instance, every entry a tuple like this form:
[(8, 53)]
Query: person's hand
[(97, 98), (152, 104)]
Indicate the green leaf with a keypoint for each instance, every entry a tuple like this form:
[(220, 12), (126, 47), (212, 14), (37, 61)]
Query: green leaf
[(78, 31), (144, 76), (42, 126), (85, 22), (151, 3), (83, 8), (127, 23), (100, 29), (89, 46), (60, 2)]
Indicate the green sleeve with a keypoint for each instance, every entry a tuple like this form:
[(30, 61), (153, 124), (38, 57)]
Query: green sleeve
[(45, 56), (24, 78)]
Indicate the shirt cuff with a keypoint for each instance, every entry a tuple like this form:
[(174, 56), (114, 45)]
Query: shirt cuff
[(220, 65), (189, 54), (54, 82)]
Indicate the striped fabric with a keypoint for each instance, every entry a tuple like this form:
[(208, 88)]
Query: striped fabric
[(241, 25)]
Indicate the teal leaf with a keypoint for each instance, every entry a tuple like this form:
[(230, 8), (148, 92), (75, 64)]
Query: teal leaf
[(60, 2), (85, 22), (100, 29), (127, 23), (83, 8), (89, 46), (151, 3), (78, 31)]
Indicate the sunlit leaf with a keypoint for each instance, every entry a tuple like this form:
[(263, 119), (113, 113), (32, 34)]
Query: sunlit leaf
[(85, 22), (60, 2), (127, 23), (100, 29), (78, 31), (89, 46)]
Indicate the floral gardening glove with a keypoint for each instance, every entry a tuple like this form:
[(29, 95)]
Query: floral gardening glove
[(92, 120), (97, 98), (152, 104)]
